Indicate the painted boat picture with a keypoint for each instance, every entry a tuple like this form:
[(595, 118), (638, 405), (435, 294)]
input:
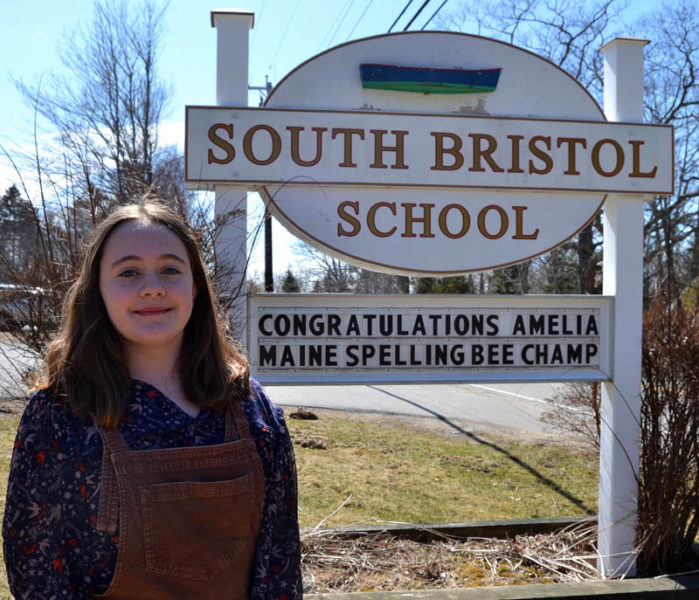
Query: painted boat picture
[(428, 80)]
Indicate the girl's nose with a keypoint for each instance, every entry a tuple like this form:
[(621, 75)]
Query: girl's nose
[(152, 286)]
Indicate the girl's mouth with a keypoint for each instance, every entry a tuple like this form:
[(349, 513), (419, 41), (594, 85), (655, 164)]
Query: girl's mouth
[(147, 312)]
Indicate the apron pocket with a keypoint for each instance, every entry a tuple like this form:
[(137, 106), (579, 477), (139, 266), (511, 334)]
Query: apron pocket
[(196, 529)]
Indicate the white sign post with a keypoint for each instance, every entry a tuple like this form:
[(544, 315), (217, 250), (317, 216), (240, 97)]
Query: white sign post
[(232, 28), (623, 279)]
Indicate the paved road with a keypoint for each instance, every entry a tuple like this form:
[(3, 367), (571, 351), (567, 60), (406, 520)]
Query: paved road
[(507, 406)]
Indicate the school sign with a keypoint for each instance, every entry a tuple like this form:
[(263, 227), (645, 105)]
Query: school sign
[(429, 154), (459, 177)]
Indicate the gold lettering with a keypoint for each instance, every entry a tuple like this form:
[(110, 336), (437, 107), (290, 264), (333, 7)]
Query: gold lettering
[(295, 155), (540, 154), (440, 151), (347, 133), (504, 222), (465, 221), (636, 161), (486, 153), (597, 148), (426, 220), (571, 142), (221, 143), (519, 225), (345, 216), (379, 149), (371, 219), (516, 139), (276, 145)]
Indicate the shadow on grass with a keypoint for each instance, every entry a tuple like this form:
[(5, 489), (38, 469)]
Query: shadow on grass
[(515, 459)]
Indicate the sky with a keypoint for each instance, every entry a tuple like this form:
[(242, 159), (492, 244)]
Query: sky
[(286, 33)]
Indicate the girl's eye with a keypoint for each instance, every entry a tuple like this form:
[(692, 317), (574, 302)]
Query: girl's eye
[(171, 271), (127, 273)]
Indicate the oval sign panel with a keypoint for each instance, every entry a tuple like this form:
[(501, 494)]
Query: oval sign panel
[(434, 153)]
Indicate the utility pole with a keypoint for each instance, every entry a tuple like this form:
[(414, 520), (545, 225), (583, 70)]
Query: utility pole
[(269, 263)]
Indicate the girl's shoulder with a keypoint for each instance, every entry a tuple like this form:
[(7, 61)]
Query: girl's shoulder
[(261, 412), (43, 405), (46, 417)]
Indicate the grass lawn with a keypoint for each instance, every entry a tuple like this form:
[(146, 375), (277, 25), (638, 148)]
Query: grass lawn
[(392, 471), (8, 428), (385, 470)]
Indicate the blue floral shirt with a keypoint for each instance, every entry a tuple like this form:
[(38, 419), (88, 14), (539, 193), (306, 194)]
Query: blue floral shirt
[(53, 550)]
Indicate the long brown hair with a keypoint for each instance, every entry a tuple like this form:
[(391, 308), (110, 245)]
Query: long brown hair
[(85, 364)]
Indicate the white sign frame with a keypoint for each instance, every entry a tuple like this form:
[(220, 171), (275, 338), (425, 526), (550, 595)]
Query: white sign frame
[(265, 309)]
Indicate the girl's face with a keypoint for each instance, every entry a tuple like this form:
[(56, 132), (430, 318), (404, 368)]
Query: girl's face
[(147, 285)]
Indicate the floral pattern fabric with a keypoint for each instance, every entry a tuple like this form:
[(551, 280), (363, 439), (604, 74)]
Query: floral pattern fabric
[(53, 550)]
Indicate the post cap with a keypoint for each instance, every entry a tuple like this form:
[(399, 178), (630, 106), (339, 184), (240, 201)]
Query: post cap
[(222, 13), (627, 41)]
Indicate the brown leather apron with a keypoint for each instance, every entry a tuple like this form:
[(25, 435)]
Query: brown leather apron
[(188, 518)]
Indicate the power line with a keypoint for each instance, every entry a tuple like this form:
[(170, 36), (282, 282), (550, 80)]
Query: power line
[(281, 41), (358, 20), (434, 14), (349, 6), (253, 39), (415, 16), (400, 15), (326, 39)]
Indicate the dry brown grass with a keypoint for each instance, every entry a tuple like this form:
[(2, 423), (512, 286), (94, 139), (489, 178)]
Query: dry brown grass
[(380, 562)]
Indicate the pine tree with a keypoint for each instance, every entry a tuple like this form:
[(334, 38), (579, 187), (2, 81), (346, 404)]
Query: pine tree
[(19, 240), (290, 283)]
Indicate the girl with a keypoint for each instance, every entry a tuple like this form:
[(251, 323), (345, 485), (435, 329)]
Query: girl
[(149, 464)]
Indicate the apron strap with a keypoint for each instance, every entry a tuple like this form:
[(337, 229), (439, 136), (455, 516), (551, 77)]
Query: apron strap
[(232, 432), (236, 420), (114, 440), (108, 510)]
